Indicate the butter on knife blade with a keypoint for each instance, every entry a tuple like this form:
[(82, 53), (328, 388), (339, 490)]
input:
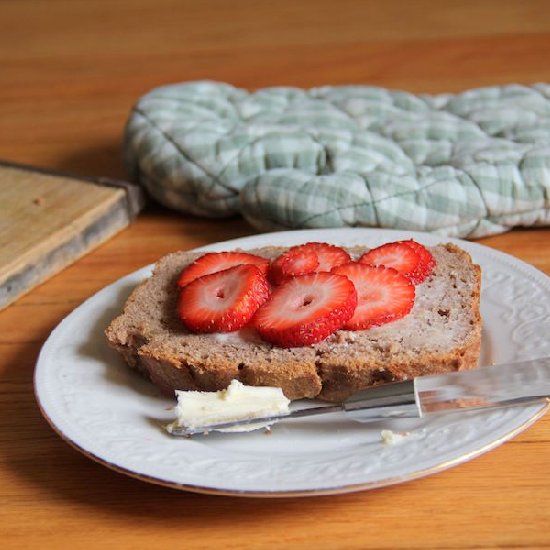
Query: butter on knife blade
[(197, 409)]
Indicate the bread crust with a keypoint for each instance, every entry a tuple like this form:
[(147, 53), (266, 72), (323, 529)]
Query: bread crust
[(151, 339)]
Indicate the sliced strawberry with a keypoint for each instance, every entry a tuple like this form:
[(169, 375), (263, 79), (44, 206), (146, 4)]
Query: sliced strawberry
[(296, 261), (328, 255), (224, 301), (398, 255), (307, 258), (213, 262), (427, 262), (306, 309), (383, 294)]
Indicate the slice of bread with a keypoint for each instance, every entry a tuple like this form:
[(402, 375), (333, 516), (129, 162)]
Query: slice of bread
[(442, 333)]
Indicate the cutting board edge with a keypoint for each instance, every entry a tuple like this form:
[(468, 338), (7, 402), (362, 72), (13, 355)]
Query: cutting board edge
[(51, 261)]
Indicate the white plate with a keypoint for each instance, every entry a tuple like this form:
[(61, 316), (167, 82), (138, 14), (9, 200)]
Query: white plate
[(112, 415)]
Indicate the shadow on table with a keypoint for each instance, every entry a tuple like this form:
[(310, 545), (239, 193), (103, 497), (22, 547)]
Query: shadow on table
[(103, 159)]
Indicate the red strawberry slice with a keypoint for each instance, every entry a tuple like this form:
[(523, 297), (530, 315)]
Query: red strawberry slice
[(328, 255), (307, 258), (306, 309), (213, 262), (296, 261), (383, 294), (224, 301), (427, 262), (399, 255)]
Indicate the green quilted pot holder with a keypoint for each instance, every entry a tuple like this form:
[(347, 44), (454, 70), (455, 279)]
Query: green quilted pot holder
[(468, 165)]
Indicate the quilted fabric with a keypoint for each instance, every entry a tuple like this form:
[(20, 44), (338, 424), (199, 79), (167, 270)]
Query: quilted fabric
[(468, 165)]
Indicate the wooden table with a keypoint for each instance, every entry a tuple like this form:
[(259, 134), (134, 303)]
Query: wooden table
[(69, 73)]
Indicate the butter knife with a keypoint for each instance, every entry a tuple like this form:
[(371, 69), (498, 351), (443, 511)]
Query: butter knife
[(504, 385)]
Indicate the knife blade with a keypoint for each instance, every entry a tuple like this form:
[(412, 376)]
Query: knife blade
[(511, 384)]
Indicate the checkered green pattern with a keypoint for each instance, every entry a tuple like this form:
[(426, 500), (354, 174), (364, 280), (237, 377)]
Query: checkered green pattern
[(468, 165)]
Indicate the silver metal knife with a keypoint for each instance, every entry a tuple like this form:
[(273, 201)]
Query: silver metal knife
[(505, 385)]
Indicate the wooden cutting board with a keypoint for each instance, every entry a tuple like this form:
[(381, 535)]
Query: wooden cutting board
[(49, 220)]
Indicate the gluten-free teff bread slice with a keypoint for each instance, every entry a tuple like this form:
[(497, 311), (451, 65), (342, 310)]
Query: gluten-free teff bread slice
[(441, 334)]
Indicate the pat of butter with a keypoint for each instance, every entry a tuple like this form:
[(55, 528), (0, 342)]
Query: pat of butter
[(393, 438), (196, 409)]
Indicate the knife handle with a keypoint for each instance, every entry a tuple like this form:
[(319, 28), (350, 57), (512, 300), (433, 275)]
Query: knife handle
[(396, 400)]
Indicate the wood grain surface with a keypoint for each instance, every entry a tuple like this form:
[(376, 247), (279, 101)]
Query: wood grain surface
[(70, 71), (47, 221)]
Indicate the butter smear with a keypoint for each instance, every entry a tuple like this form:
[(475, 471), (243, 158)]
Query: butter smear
[(197, 409)]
